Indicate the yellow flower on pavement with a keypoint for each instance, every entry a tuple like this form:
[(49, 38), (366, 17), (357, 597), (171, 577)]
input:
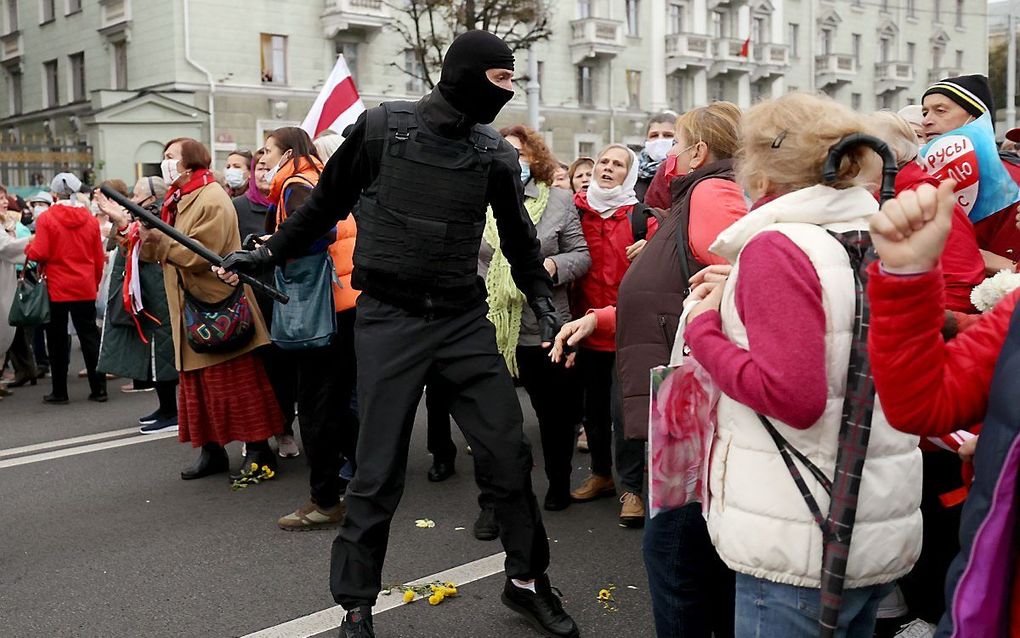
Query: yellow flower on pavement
[(436, 598), (425, 523), (408, 595), (604, 594)]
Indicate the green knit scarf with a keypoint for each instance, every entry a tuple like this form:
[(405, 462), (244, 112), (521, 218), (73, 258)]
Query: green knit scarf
[(506, 302)]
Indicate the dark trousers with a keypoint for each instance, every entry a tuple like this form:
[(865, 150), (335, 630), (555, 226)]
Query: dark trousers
[(282, 372), (603, 421), (20, 354), (555, 394), (692, 589), (439, 439), (924, 587), (166, 391), (42, 357), (397, 352), (83, 315), (329, 429)]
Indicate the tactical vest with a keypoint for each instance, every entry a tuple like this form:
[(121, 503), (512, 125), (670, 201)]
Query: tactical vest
[(422, 220)]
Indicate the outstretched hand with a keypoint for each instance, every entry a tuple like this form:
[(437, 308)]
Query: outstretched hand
[(910, 231), (571, 334)]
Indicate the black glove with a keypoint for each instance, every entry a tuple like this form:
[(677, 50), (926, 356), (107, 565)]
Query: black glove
[(549, 322), (249, 262)]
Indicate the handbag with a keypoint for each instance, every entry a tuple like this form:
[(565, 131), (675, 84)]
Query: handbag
[(31, 306), (217, 327), (309, 319)]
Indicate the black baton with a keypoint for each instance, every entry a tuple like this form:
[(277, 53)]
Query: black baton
[(153, 221)]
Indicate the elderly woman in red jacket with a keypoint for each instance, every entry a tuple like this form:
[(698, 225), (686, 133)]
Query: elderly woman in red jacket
[(932, 387)]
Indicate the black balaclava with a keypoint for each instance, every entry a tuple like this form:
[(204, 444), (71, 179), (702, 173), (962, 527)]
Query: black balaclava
[(464, 83)]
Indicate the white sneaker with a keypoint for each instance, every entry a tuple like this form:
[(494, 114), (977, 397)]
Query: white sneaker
[(917, 628), (286, 447)]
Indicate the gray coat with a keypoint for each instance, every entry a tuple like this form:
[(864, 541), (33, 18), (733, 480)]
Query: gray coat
[(559, 232)]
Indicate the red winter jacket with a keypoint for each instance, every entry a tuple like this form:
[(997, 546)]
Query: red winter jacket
[(998, 233), (608, 240), (928, 386), (69, 248), (962, 264)]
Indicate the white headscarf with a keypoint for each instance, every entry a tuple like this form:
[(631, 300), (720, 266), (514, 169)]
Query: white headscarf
[(604, 201)]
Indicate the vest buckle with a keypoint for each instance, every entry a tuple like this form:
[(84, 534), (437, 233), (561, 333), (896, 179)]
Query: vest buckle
[(403, 135)]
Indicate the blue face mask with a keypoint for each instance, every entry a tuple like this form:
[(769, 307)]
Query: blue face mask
[(525, 172)]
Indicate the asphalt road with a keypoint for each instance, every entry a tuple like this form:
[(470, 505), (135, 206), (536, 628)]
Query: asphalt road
[(111, 542)]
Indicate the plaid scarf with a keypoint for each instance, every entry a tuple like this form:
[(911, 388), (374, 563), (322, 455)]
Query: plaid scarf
[(854, 434)]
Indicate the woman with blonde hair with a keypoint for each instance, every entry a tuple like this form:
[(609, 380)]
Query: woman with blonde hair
[(797, 261)]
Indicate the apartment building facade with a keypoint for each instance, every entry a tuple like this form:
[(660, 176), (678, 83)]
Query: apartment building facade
[(103, 83)]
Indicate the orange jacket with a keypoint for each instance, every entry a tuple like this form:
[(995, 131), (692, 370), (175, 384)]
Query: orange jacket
[(341, 251)]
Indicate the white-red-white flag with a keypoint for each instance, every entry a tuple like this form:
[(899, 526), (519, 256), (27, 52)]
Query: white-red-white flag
[(338, 104)]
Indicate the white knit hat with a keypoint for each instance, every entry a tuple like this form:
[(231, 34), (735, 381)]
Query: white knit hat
[(65, 184)]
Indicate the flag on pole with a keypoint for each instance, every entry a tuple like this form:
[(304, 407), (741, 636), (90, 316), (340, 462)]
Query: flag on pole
[(338, 104), (745, 50)]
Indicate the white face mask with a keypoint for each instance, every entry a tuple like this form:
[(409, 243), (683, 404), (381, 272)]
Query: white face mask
[(271, 175), (169, 169), (38, 209), (234, 177), (657, 149)]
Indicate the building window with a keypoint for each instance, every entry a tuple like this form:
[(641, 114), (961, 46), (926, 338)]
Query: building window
[(888, 101), (415, 72), (675, 91), (12, 16), (912, 8), (855, 101), (16, 101), (633, 14), (959, 59), (718, 91), (274, 58), (911, 52), (76, 67), (855, 47), (73, 6), (585, 86), (936, 58), (47, 11), (120, 63), (885, 6), (51, 84), (583, 9), (718, 24), (938, 10), (586, 149), (959, 13), (676, 18), (793, 35), (884, 50), (634, 89), (826, 36), (350, 52)]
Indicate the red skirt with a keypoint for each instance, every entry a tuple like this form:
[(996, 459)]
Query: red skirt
[(229, 401)]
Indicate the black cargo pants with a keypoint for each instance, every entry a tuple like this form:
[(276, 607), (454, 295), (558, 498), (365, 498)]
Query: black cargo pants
[(396, 352)]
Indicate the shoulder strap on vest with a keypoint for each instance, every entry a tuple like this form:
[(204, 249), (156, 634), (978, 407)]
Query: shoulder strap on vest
[(485, 140), (391, 119)]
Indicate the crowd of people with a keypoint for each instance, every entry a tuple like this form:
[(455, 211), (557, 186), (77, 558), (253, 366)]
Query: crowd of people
[(720, 232)]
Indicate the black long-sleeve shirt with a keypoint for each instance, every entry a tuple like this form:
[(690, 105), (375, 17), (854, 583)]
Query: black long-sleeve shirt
[(355, 167)]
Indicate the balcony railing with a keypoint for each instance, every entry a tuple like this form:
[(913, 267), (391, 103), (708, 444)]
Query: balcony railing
[(835, 68), (364, 15), (942, 72), (891, 76), (595, 37), (11, 46), (772, 54), (689, 48)]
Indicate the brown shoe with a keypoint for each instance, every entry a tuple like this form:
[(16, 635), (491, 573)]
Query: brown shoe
[(594, 487), (632, 514), (311, 517)]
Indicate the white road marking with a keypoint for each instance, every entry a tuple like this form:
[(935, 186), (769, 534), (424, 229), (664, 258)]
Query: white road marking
[(329, 619), (50, 445), (85, 449)]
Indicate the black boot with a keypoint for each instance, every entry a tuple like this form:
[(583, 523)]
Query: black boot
[(558, 497), (486, 527), (211, 460), (358, 624), (440, 470), (258, 453), (542, 608)]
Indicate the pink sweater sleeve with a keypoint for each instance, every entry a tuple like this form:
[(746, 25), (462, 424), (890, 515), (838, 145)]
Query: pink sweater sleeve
[(778, 295), (715, 204)]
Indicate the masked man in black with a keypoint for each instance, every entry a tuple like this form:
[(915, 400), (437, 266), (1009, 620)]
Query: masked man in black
[(422, 175)]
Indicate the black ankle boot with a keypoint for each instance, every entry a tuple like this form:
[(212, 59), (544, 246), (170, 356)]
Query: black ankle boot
[(542, 608), (358, 624), (211, 460)]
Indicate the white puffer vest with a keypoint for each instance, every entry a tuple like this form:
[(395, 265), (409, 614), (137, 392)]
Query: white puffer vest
[(758, 519)]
